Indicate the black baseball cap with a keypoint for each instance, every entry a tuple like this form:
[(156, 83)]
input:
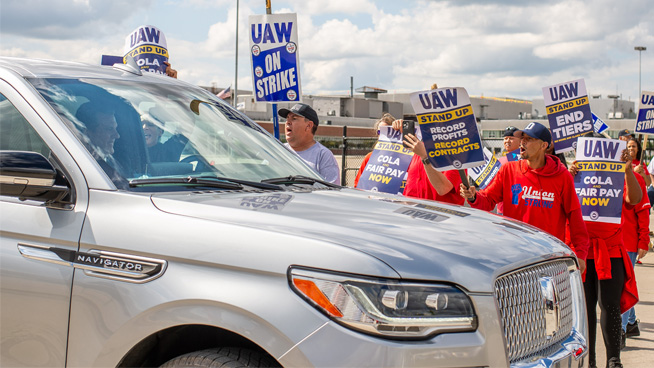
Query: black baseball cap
[(509, 131), (303, 110), (625, 133), (538, 131)]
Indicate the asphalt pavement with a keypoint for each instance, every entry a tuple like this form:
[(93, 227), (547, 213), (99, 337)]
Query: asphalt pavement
[(639, 351)]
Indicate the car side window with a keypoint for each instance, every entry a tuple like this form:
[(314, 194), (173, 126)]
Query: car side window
[(16, 133)]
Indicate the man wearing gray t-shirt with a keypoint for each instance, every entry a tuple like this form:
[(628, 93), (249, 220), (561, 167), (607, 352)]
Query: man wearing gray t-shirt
[(301, 125)]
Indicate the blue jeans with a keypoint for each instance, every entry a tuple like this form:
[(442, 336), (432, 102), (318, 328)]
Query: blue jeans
[(630, 315), (650, 194)]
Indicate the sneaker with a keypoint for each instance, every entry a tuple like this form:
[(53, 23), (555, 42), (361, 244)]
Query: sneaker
[(632, 329), (623, 340)]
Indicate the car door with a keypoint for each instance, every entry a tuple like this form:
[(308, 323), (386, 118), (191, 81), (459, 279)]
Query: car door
[(35, 284)]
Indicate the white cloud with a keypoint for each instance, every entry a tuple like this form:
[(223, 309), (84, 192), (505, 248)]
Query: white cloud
[(500, 48)]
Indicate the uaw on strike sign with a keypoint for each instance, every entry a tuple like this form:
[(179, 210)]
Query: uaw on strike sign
[(645, 121), (568, 113), (600, 180), (449, 128), (275, 61)]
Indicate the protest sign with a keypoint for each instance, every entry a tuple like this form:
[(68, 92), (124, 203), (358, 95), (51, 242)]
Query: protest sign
[(111, 60), (449, 128), (513, 155), (147, 45), (387, 167), (484, 174), (598, 124), (568, 112), (600, 180), (645, 121), (275, 59)]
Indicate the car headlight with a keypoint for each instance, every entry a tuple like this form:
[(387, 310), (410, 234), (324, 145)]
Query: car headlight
[(386, 307)]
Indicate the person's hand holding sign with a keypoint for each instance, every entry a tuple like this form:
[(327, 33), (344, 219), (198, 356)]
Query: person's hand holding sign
[(170, 71), (438, 180), (469, 193)]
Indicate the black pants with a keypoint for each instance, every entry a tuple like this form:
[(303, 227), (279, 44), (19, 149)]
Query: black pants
[(608, 293)]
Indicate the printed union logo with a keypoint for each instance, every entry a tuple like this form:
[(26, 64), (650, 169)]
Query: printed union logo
[(574, 144), (291, 95), (594, 215), (457, 164), (291, 47), (256, 50), (258, 71)]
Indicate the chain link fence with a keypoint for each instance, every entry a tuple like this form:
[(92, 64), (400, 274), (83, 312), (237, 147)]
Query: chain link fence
[(350, 152)]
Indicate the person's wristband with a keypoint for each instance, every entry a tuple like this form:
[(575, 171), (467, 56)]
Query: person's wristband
[(425, 160), (473, 199)]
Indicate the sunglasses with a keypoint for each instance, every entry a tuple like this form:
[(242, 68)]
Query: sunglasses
[(509, 128)]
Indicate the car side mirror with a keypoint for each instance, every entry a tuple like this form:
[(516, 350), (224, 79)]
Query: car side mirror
[(29, 175)]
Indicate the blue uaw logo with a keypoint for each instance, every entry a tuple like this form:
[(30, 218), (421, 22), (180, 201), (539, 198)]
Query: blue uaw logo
[(291, 94), (574, 144), (291, 47), (594, 215), (457, 164), (258, 71), (256, 50)]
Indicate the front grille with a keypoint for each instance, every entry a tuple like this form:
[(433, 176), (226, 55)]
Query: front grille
[(523, 308)]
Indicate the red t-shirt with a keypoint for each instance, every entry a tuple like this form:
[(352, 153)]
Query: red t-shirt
[(637, 162), (419, 186), (545, 198), (361, 168), (635, 222)]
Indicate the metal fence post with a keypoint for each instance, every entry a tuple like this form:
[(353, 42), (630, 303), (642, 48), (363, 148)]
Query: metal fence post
[(344, 156)]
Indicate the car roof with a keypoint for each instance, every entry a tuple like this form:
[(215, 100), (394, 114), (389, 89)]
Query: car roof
[(41, 68)]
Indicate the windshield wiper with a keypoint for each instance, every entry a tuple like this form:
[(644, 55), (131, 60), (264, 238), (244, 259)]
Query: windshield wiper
[(195, 181), (254, 184), (298, 179), (209, 181)]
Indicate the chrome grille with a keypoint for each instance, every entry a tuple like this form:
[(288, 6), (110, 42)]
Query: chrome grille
[(523, 309)]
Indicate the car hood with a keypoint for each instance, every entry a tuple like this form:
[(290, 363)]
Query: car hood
[(420, 240)]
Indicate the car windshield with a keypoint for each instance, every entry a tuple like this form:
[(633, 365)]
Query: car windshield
[(149, 132)]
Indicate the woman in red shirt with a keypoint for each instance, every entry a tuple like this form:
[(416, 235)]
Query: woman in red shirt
[(386, 120), (608, 279), (636, 150)]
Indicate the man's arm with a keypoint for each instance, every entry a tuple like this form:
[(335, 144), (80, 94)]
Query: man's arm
[(437, 179), (487, 198), (328, 167)]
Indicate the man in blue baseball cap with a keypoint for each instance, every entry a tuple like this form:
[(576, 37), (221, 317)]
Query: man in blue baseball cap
[(537, 190), (301, 125)]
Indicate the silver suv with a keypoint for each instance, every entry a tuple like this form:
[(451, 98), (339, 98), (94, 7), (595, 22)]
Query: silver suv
[(145, 222)]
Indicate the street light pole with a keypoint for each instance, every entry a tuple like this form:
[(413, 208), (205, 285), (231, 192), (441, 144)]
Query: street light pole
[(235, 93), (640, 50)]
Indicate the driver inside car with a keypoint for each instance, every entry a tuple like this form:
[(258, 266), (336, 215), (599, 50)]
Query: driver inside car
[(168, 151)]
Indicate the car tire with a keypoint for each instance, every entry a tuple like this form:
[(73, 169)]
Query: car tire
[(223, 358)]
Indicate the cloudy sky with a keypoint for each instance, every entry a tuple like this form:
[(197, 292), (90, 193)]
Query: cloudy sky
[(496, 48)]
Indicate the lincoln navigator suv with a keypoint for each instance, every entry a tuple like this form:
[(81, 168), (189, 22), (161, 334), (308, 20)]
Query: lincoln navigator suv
[(145, 222)]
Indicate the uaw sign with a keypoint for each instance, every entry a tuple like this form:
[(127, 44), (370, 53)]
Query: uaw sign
[(483, 175), (645, 122), (387, 167), (147, 45), (600, 180), (449, 128), (275, 60), (568, 112)]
